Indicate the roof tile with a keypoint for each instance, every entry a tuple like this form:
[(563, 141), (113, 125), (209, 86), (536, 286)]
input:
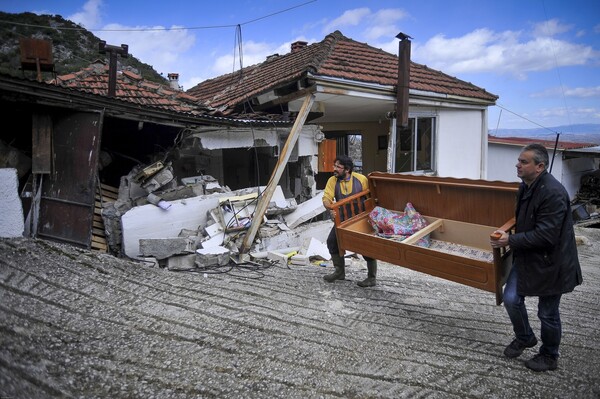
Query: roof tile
[(336, 56)]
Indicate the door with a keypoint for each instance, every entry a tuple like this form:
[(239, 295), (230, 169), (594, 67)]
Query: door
[(68, 192)]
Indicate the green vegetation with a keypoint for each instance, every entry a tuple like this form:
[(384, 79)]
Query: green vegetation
[(73, 48)]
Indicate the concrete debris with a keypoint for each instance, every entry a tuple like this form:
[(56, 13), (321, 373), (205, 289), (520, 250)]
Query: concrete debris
[(300, 260), (236, 212), (213, 256), (162, 248), (158, 201), (288, 205), (282, 255), (182, 262), (213, 220), (317, 249), (305, 211), (156, 220), (208, 183)]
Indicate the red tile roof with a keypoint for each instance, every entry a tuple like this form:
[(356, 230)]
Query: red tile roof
[(523, 141), (336, 56), (132, 88)]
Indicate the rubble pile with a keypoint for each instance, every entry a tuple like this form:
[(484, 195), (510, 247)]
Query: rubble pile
[(589, 191), (201, 224)]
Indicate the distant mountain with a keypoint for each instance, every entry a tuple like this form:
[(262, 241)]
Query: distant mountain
[(581, 133), (73, 47)]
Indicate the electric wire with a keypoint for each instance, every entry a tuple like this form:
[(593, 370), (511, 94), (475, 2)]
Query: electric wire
[(522, 117), (162, 29), (562, 89)]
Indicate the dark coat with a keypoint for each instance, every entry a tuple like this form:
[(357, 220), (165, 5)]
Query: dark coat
[(545, 252)]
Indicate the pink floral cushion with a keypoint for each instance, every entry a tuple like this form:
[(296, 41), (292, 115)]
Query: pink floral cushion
[(398, 225)]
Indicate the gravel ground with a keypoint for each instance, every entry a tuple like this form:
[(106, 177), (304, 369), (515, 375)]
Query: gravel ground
[(79, 324)]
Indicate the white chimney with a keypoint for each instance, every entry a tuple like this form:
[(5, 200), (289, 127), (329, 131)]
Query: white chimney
[(174, 81)]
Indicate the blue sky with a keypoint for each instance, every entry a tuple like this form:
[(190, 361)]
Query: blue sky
[(542, 57)]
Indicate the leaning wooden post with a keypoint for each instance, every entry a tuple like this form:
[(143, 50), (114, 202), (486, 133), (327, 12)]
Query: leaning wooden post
[(265, 198)]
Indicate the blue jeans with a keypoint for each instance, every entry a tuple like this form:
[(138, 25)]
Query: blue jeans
[(548, 313)]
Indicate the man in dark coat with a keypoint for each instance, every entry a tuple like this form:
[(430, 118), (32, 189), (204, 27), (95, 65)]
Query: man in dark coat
[(545, 262)]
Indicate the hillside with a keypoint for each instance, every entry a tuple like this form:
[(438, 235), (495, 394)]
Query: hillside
[(73, 47), (581, 133)]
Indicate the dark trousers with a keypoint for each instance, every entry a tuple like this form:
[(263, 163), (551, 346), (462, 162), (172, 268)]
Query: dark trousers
[(332, 244), (548, 313)]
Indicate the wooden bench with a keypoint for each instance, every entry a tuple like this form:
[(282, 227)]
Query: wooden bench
[(464, 212)]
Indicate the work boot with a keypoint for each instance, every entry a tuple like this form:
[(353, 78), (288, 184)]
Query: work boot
[(516, 347), (371, 274), (542, 362), (340, 265)]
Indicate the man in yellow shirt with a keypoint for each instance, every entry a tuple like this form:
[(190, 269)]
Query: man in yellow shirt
[(342, 184)]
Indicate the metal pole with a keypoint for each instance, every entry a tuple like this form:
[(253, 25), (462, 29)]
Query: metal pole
[(554, 152)]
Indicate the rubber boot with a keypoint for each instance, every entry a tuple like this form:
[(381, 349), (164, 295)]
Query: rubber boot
[(340, 265), (371, 274)]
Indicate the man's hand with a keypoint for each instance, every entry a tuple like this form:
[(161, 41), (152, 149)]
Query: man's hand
[(499, 239)]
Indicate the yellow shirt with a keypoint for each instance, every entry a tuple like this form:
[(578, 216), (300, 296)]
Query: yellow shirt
[(345, 187)]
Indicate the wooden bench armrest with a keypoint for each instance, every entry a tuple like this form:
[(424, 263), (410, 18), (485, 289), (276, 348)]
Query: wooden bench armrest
[(506, 227), (354, 204)]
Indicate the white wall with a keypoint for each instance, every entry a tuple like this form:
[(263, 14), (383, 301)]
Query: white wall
[(502, 161), (459, 143), (11, 210)]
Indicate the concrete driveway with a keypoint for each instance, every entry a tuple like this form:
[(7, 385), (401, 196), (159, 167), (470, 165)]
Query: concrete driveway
[(80, 324)]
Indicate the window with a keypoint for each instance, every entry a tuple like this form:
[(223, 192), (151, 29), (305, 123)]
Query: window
[(414, 146)]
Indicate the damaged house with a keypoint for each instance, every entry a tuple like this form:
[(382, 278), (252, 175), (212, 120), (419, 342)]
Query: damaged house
[(83, 141), (117, 136), (410, 118)]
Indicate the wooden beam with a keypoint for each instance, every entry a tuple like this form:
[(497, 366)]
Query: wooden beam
[(41, 144), (265, 198), (423, 232)]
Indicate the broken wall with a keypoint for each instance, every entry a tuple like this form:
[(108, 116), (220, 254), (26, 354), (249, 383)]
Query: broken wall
[(240, 157)]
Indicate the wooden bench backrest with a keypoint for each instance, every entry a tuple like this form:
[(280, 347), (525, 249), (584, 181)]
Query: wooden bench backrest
[(483, 202)]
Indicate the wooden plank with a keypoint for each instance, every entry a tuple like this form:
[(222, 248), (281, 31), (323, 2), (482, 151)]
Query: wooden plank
[(264, 200), (41, 143), (423, 232), (110, 189)]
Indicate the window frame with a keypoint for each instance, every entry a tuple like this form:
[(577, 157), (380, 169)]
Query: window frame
[(413, 123)]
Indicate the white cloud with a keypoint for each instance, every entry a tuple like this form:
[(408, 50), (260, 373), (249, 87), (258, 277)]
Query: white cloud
[(550, 28), (583, 92), (503, 53), (383, 23), (581, 113), (576, 92), (348, 18), (91, 16), (154, 45), (253, 53)]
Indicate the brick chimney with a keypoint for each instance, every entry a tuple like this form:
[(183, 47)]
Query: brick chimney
[(298, 46), (174, 81)]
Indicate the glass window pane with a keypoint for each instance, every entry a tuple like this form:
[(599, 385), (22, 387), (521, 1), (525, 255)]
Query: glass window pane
[(424, 143), (404, 147)]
